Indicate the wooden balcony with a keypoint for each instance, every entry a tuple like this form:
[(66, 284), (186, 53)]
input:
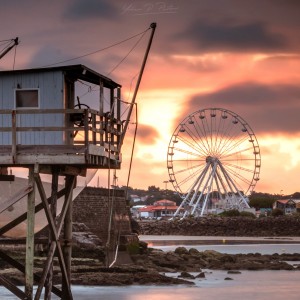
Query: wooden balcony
[(78, 137)]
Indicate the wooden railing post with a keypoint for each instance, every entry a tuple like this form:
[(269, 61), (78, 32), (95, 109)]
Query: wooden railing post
[(13, 136)]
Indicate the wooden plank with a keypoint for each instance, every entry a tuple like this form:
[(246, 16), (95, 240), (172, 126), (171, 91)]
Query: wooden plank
[(13, 288), (15, 198), (30, 238), (96, 150), (50, 159), (50, 149), (4, 149), (7, 177)]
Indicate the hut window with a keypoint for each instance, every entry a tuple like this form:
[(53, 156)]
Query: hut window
[(27, 98)]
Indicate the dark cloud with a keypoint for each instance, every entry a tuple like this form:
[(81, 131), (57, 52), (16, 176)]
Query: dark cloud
[(231, 36), (90, 9), (147, 134), (267, 108)]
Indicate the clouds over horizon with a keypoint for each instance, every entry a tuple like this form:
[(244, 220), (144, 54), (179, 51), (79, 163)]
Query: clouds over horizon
[(80, 10), (147, 134), (267, 108), (231, 36)]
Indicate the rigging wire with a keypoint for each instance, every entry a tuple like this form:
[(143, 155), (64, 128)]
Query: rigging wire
[(97, 51), (133, 47)]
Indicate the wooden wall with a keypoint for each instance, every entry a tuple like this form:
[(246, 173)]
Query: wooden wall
[(51, 96)]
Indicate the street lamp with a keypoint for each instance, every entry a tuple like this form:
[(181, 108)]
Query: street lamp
[(166, 182)]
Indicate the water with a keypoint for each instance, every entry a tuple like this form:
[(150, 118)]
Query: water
[(243, 249), (249, 285), (229, 245), (263, 285)]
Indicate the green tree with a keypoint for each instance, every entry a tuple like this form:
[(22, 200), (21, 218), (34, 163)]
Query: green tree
[(153, 188), (262, 200)]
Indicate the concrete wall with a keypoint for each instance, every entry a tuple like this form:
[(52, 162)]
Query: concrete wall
[(92, 207)]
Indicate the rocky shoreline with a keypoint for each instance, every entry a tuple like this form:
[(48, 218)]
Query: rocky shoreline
[(148, 266), (223, 226)]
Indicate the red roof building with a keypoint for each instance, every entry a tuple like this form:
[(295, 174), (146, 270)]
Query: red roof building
[(161, 208)]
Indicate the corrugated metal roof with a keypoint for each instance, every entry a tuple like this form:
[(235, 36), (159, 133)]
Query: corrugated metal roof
[(72, 71)]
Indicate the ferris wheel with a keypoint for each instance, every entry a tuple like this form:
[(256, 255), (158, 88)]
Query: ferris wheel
[(213, 162)]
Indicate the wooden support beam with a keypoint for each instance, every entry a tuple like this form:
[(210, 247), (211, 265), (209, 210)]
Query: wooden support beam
[(53, 209), (52, 247), (67, 291), (30, 238), (14, 263), (15, 198), (23, 217), (67, 246), (12, 287)]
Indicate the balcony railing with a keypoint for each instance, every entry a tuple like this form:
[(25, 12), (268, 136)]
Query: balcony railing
[(59, 131)]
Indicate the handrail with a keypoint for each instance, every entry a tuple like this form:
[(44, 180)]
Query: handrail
[(95, 128)]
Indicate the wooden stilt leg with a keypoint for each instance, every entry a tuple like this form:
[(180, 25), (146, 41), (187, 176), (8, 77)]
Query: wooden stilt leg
[(67, 248), (55, 234), (53, 209), (30, 238)]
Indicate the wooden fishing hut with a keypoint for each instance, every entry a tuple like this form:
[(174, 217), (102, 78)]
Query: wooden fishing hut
[(45, 129)]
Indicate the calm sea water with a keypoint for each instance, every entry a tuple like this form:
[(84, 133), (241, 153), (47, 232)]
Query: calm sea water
[(243, 249), (249, 285)]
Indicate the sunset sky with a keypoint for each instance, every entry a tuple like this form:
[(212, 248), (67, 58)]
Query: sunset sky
[(235, 54)]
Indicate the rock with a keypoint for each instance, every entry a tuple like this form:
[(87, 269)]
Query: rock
[(221, 226), (181, 250), (234, 272), (228, 278), (186, 275), (200, 275), (194, 252)]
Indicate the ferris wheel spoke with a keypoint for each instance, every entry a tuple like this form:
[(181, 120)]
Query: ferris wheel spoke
[(234, 145), (230, 141), (186, 151), (200, 134), (239, 176), (190, 144), (237, 152), (195, 138), (205, 129), (228, 134), (218, 134), (239, 167), (187, 169), (188, 178)]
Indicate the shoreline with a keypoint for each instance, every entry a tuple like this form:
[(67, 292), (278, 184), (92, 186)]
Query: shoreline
[(170, 240)]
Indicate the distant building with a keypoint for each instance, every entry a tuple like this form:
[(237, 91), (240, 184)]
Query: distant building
[(288, 206), (160, 209), (135, 210)]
